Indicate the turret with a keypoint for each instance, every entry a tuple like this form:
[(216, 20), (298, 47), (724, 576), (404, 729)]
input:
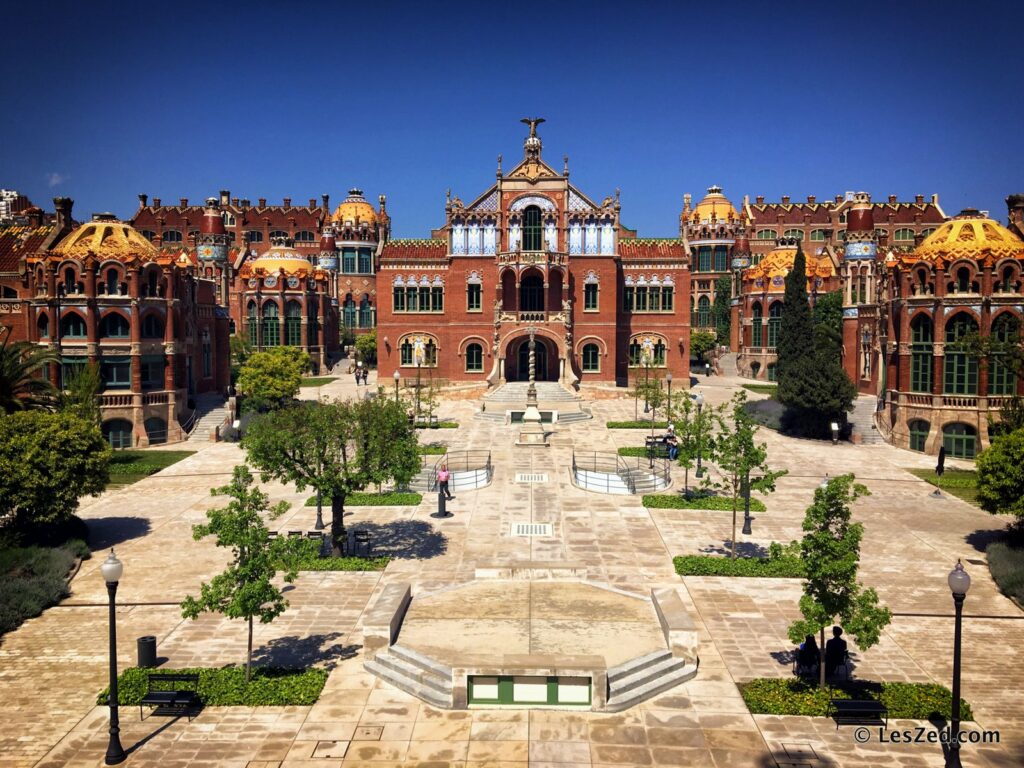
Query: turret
[(212, 240), (328, 257), (861, 240)]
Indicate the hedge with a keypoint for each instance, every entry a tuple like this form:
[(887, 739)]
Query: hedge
[(387, 499), (675, 501), (767, 413), (784, 567), (226, 687), (1006, 563), (791, 696), (308, 558), (635, 425), (432, 450)]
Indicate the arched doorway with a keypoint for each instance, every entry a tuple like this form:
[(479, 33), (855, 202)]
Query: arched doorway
[(531, 292), (517, 362)]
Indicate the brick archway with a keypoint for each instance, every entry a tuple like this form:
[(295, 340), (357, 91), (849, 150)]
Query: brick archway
[(509, 350)]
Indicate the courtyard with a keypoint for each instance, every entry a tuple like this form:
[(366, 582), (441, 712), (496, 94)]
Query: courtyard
[(53, 666)]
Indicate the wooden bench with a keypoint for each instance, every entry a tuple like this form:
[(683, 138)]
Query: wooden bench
[(857, 711), (656, 445), (172, 693)]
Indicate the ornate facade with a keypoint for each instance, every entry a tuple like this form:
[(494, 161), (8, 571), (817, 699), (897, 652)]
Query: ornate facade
[(533, 251)]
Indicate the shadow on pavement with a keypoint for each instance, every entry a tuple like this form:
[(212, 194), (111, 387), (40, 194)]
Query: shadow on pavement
[(743, 549), (106, 532), (405, 539), (300, 652)]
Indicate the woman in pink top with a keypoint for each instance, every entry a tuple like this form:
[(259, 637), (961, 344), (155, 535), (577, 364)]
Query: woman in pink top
[(442, 477)]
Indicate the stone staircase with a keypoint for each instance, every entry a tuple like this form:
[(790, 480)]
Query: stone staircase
[(863, 420), (641, 678), (211, 411), (414, 673), (642, 480), (424, 482), (514, 392), (727, 364)]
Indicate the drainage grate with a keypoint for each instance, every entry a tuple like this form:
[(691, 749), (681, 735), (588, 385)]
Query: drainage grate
[(531, 477), (531, 529)]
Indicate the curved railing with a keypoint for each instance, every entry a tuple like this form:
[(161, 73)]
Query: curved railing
[(469, 469), (610, 473)]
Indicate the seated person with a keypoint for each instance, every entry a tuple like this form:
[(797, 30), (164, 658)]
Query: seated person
[(807, 657), (835, 651), (673, 446)]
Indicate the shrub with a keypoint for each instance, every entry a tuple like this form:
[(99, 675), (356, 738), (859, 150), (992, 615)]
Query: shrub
[(226, 687), (635, 425), (790, 696), (307, 557), (387, 499), (32, 579), (781, 563), (767, 413), (676, 501), (432, 450), (1006, 563)]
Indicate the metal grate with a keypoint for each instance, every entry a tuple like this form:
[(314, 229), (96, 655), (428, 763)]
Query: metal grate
[(531, 477), (531, 529)]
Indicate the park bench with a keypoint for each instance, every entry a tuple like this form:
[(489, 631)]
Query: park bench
[(657, 446), (857, 711), (172, 693)]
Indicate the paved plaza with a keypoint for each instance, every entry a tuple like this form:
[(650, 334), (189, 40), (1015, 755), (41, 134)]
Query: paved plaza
[(53, 666)]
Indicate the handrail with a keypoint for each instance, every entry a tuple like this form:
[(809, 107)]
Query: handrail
[(459, 461), (622, 467), (191, 422)]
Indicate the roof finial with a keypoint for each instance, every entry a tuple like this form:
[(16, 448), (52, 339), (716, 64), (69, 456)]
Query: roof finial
[(532, 145)]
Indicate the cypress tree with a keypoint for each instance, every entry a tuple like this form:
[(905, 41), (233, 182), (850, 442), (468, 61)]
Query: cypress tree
[(722, 308), (796, 330)]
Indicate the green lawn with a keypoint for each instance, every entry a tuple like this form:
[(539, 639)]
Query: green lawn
[(127, 467), (962, 483), (764, 389), (432, 450), (635, 425), (317, 381), (387, 499)]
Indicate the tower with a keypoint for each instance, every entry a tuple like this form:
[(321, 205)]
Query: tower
[(328, 258), (860, 304), (212, 249), (740, 261)]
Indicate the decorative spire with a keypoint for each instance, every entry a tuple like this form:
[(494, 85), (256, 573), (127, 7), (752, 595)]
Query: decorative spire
[(532, 145)]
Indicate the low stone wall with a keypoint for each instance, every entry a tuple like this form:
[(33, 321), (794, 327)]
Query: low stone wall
[(532, 665), (533, 570), (676, 624), (384, 617)]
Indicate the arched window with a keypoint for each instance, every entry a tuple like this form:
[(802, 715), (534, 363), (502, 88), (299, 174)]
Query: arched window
[(903, 234), (110, 285), (148, 234), (427, 352), (293, 324), (960, 440), (474, 358), (703, 312), (532, 228), (921, 341), (772, 372), (118, 433), (591, 358), (278, 234), (253, 324), (757, 325), (1005, 337), (271, 325), (70, 283), (152, 327), (637, 358), (156, 430), (774, 322), (794, 234), (919, 429), (114, 326), (72, 326), (960, 370), (349, 311), (365, 312), (819, 234), (304, 236), (172, 236), (254, 236), (766, 234), (43, 326), (963, 280), (1005, 284)]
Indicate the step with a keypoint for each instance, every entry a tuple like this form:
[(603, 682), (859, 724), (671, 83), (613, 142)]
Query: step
[(420, 660), (442, 685), (644, 675), (617, 703), (641, 662), (409, 685)]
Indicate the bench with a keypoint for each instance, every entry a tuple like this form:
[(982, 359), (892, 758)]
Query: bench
[(657, 446), (857, 711), (172, 693)]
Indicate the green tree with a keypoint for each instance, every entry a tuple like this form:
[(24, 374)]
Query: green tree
[(245, 589), (272, 378), (366, 347), (828, 315), (795, 327), (81, 395), (722, 308), (335, 448), (691, 428), (22, 383), (702, 342), (48, 461), (241, 350), (742, 462), (1001, 476), (830, 550)]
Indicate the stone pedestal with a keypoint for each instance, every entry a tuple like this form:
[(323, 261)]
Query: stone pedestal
[(532, 433)]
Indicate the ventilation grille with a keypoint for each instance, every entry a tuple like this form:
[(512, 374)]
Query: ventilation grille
[(531, 477), (531, 529)]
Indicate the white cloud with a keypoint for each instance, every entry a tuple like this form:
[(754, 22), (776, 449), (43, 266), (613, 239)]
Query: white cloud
[(56, 179)]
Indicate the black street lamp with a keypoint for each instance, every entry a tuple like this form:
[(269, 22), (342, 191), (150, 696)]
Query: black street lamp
[(647, 375), (700, 433), (668, 412), (111, 570), (416, 421), (397, 376), (959, 582)]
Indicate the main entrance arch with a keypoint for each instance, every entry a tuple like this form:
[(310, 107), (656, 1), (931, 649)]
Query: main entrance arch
[(517, 363)]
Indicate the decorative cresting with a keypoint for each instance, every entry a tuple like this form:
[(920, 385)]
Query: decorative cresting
[(108, 237), (968, 236), (354, 209), (281, 258), (770, 273)]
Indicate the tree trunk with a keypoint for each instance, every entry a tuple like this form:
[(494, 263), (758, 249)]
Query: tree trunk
[(733, 553), (686, 482), (248, 654), (337, 524), (821, 659)]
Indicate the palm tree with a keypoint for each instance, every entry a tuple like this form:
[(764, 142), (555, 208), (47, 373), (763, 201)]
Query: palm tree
[(21, 385)]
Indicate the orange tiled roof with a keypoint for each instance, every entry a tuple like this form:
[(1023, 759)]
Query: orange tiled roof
[(415, 249), (18, 241), (653, 248)]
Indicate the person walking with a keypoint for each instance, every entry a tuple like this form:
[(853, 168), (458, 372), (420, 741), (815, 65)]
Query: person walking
[(443, 476)]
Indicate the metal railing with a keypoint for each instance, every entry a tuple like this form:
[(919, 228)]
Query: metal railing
[(611, 473), (469, 469)]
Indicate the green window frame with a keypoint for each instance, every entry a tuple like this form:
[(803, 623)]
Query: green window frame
[(703, 312), (69, 368), (500, 690), (903, 234), (1001, 377), (117, 433), (960, 369), (960, 440), (116, 372), (819, 235), (532, 229), (348, 261), (919, 429), (72, 326), (590, 297), (407, 357), (437, 299), (474, 297), (921, 352), (153, 371), (271, 326), (704, 258), (774, 323), (668, 298), (658, 354), (794, 234), (629, 298), (772, 372), (474, 358), (253, 324), (721, 258), (293, 324), (398, 299), (591, 362), (757, 326), (365, 312), (766, 234), (348, 311), (365, 264)]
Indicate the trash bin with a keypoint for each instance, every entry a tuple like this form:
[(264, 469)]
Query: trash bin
[(147, 651)]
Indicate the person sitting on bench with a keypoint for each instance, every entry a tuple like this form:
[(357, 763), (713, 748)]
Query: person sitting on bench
[(808, 656), (835, 651), (672, 443)]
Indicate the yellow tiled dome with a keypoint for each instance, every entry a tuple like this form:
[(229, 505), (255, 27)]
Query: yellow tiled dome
[(778, 262), (969, 236), (715, 206), (106, 237), (281, 257), (354, 208)]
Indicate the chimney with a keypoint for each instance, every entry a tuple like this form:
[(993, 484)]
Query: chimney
[(287, 202), (225, 195), (919, 199), (811, 199), (785, 199), (759, 199), (918, 239), (245, 202), (234, 201), (142, 200), (326, 201), (312, 202), (156, 202), (63, 205), (183, 201), (839, 199), (262, 202), (892, 199)]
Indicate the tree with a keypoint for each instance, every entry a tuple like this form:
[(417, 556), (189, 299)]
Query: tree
[(81, 395), (22, 384), (48, 461), (335, 448), (241, 350), (366, 347), (702, 342), (743, 464), (795, 327), (830, 550), (691, 430), (272, 378), (721, 310), (1001, 476), (828, 315), (245, 589)]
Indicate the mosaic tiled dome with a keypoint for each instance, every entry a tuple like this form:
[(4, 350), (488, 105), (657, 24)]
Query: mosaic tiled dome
[(354, 208), (108, 238), (969, 236)]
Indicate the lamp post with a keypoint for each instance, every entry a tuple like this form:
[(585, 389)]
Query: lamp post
[(416, 420), (668, 412), (700, 433), (397, 377), (647, 377), (959, 582), (747, 519), (824, 482), (111, 570)]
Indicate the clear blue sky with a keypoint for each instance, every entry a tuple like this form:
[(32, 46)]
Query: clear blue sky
[(103, 101)]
